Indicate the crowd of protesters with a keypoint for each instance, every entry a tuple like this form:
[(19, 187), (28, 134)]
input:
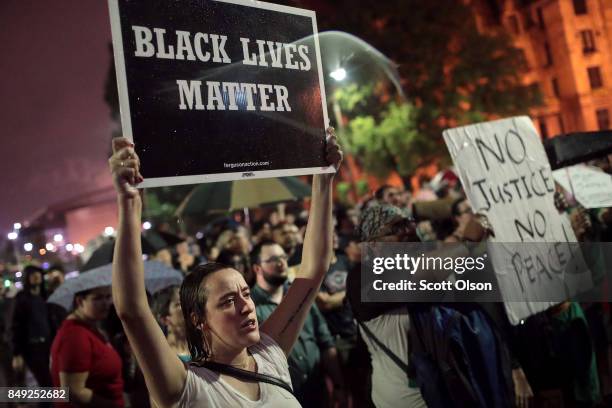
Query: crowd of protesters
[(347, 353)]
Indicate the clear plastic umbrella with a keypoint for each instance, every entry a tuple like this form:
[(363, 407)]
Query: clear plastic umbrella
[(158, 276)]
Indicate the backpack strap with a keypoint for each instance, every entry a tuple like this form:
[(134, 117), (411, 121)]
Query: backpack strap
[(247, 375), (402, 365)]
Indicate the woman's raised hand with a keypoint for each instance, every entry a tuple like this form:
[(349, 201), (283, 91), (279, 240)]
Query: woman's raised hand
[(333, 153), (125, 168)]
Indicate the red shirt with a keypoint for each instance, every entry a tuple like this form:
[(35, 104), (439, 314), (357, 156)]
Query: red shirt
[(78, 347)]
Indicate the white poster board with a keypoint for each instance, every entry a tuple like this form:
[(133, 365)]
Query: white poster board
[(591, 186), (507, 177)]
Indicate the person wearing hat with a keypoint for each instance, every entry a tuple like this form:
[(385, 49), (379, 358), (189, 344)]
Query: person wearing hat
[(388, 328), (31, 328)]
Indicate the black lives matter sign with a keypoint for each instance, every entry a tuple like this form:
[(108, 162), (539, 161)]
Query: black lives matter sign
[(219, 90)]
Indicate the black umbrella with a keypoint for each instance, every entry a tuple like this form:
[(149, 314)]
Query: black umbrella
[(573, 148), (151, 242)]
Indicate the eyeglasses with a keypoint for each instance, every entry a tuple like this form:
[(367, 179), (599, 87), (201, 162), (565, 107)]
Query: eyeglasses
[(276, 259)]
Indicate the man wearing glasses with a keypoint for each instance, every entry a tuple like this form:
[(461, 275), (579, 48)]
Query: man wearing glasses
[(314, 352)]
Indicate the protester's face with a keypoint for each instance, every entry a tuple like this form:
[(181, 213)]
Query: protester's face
[(239, 243), (353, 252), (175, 319), (35, 279), (265, 232), (465, 213), (286, 236), (55, 277), (96, 304), (273, 264), (230, 321), (182, 248), (392, 196), (164, 256)]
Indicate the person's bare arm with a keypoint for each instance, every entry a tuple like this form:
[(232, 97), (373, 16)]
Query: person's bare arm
[(287, 320), (80, 395), (164, 373)]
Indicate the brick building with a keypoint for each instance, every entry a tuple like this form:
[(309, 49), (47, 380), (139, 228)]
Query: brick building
[(567, 45)]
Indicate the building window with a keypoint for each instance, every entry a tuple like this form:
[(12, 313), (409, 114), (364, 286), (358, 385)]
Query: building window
[(555, 87), (549, 59), (543, 128), (588, 41), (603, 119), (540, 18), (595, 77), (580, 7), (514, 24)]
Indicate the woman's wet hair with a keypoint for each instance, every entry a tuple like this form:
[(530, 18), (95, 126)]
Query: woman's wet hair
[(82, 294), (193, 296)]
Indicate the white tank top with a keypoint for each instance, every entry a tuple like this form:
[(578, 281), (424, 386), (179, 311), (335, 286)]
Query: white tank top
[(204, 388)]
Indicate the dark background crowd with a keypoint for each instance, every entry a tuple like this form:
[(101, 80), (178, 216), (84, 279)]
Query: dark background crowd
[(560, 357)]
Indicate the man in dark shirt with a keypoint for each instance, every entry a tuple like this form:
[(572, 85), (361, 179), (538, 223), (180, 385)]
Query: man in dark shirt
[(31, 329), (314, 348)]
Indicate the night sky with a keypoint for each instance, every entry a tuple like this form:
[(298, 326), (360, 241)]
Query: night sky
[(55, 125)]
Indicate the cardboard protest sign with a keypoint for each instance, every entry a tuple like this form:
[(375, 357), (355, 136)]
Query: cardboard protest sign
[(507, 177), (591, 186), (219, 90)]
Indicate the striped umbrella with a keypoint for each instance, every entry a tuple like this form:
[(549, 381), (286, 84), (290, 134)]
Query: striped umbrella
[(236, 195)]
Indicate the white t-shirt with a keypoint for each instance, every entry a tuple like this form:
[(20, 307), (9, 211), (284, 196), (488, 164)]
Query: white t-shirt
[(204, 388), (390, 386)]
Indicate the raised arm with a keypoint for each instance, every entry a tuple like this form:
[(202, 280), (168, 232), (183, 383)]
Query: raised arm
[(287, 320), (164, 373)]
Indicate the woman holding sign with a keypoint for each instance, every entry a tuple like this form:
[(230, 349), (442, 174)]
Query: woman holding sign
[(234, 361)]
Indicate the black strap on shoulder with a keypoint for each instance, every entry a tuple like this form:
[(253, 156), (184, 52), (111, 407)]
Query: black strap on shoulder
[(247, 375), (403, 366)]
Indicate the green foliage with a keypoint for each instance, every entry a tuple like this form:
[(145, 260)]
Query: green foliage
[(383, 137), (454, 73), (342, 190), (161, 203)]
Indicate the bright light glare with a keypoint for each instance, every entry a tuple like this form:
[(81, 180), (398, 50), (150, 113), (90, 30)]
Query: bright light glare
[(338, 74), (58, 238), (12, 235), (108, 231), (49, 246), (79, 248), (17, 226), (18, 274), (28, 246), (146, 225), (69, 247)]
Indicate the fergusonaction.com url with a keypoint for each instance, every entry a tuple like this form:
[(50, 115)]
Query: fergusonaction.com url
[(247, 164)]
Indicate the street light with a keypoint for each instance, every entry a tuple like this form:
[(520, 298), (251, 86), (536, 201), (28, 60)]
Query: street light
[(28, 246), (17, 226), (12, 236), (339, 74), (108, 231), (58, 238)]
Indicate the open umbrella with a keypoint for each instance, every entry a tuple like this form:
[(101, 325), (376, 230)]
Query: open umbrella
[(158, 276), (151, 242), (235, 195)]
